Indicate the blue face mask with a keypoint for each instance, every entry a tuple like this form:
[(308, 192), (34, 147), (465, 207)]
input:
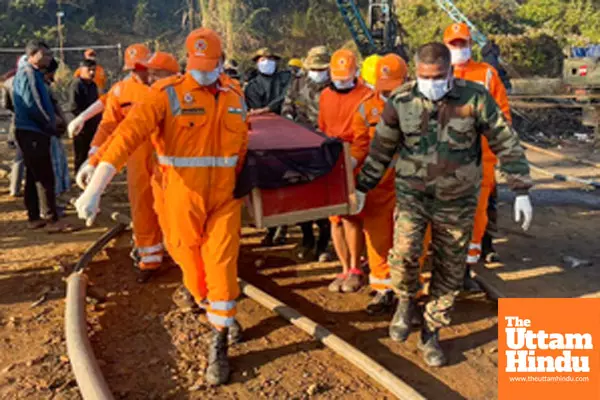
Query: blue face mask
[(206, 78)]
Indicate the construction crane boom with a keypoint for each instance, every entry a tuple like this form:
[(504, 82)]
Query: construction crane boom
[(357, 26), (381, 33), (457, 16)]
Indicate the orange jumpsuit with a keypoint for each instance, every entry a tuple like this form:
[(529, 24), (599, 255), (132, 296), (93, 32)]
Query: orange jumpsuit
[(378, 212), (99, 79), (147, 232), (201, 141), (486, 75), (336, 114)]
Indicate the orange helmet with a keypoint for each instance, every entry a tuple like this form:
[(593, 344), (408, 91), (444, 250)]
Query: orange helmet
[(391, 72), (136, 54), (343, 65), (164, 61), (457, 31), (203, 49), (89, 53)]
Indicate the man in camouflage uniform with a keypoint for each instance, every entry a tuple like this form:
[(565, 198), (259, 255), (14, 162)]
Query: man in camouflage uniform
[(434, 126), (301, 105)]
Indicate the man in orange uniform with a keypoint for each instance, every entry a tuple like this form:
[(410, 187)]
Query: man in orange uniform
[(160, 65), (337, 106), (457, 38), (134, 89), (378, 214), (197, 125), (100, 78)]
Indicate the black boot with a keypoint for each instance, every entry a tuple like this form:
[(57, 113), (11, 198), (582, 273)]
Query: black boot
[(217, 372), (235, 333), (401, 324), (382, 303), (433, 355), (144, 275), (268, 239), (470, 285)]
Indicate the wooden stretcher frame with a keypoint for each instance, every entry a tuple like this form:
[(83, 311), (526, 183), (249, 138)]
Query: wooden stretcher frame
[(254, 204)]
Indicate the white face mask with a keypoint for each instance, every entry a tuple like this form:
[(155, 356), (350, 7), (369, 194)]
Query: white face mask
[(206, 78), (318, 76), (460, 56), (266, 66), (344, 85), (434, 89)]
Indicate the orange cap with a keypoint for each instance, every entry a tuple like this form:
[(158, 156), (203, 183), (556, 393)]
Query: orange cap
[(136, 54), (390, 73), (343, 65), (457, 31), (164, 61), (203, 49), (89, 53)]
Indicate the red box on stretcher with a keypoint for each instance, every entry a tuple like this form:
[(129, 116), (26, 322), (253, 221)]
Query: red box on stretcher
[(328, 195)]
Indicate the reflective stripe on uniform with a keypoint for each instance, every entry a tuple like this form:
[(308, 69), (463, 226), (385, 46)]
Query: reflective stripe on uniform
[(151, 259), (150, 249), (222, 305), (363, 113), (198, 162), (219, 320), (488, 78), (473, 259), (474, 246), (376, 281), (173, 101)]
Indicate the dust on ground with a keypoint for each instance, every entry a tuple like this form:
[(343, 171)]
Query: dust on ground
[(148, 348)]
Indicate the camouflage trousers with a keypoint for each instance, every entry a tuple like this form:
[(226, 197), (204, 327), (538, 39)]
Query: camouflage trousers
[(452, 223)]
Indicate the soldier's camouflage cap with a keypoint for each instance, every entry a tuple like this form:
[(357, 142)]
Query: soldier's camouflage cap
[(265, 52), (317, 58)]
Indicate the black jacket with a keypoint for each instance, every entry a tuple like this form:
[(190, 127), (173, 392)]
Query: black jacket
[(268, 91), (83, 94)]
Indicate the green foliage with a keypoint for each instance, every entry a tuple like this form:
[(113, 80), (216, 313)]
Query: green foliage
[(90, 25), (532, 32), (570, 19), (537, 29)]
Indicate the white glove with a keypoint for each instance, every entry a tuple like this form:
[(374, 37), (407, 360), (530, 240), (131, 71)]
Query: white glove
[(361, 198), (75, 126), (354, 162), (84, 175), (88, 204), (523, 208)]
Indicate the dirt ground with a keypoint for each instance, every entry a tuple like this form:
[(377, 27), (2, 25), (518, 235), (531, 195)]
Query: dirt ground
[(149, 349)]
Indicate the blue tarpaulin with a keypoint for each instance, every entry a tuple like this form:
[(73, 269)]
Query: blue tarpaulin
[(588, 51)]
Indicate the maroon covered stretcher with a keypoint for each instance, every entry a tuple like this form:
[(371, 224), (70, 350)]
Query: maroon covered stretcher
[(293, 174)]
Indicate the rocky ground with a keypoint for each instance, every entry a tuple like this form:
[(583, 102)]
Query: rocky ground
[(149, 349)]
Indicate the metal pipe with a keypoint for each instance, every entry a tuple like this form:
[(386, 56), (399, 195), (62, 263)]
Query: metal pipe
[(99, 245), (550, 153), (360, 360), (565, 178), (88, 375)]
